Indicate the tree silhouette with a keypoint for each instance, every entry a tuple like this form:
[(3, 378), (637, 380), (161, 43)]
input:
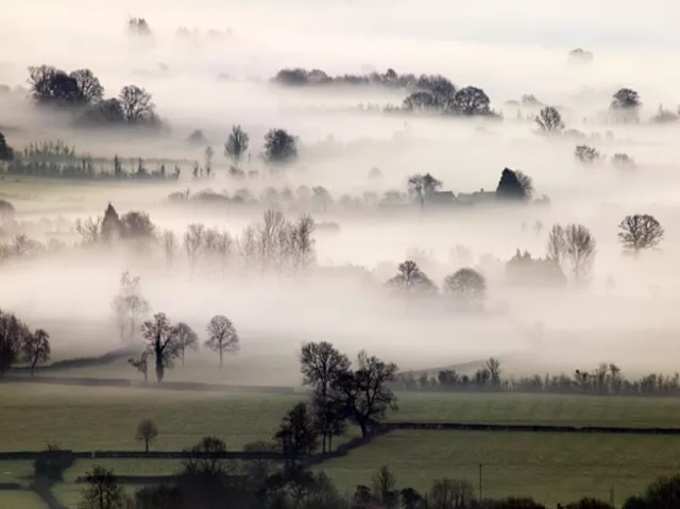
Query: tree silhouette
[(222, 336), (236, 145), (640, 231)]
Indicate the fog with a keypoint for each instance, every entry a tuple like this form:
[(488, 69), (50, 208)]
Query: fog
[(220, 74)]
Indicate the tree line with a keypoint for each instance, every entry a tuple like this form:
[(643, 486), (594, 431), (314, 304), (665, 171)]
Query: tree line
[(606, 379), (206, 480), (81, 92), (18, 343)]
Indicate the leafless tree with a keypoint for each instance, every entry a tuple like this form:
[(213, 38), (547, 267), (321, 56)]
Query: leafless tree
[(146, 432), (466, 283), (89, 230), (411, 278), (169, 246), (193, 240), (236, 145), (573, 248), (141, 364), (136, 103), (640, 231), (161, 338), (222, 336), (36, 348), (129, 306), (186, 339), (550, 120)]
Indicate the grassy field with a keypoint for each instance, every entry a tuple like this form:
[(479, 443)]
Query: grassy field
[(20, 499), (86, 418), (550, 467)]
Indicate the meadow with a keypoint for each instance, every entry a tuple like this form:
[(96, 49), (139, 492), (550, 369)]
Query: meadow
[(105, 418), (551, 467)]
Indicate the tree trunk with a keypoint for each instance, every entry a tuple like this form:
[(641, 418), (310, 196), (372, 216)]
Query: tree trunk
[(220, 357), (146, 444), (159, 365), (364, 428)]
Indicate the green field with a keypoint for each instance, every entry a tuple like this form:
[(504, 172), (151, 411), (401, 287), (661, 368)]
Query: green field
[(86, 418), (551, 467)]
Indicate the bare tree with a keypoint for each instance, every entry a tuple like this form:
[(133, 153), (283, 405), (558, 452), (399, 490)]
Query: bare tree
[(102, 491), (322, 367), (411, 278), (146, 432), (222, 336), (161, 338), (193, 240), (186, 339), (573, 248), (136, 103), (586, 154), (141, 364), (169, 246), (36, 348), (466, 283), (640, 231), (423, 186), (129, 306), (236, 145), (366, 391), (13, 332), (550, 120)]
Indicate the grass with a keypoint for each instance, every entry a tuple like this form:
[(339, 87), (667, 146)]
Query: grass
[(550, 467), (20, 499), (539, 409), (86, 418)]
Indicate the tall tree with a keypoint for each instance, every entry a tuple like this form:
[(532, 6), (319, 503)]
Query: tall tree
[(322, 367), (6, 152), (13, 333), (102, 491), (514, 185), (279, 146), (236, 145), (186, 339), (36, 348), (89, 85), (129, 306), (411, 279), (366, 392), (222, 336), (466, 283), (111, 226), (161, 338), (640, 231), (137, 104), (470, 101), (423, 186), (297, 435), (550, 120), (572, 247)]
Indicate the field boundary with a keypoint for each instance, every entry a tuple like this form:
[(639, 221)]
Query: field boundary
[(532, 428), (134, 384)]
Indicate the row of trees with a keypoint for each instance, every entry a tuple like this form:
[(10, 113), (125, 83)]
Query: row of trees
[(338, 393), (166, 342), (606, 379), (444, 98), (81, 89), (19, 344), (209, 481)]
